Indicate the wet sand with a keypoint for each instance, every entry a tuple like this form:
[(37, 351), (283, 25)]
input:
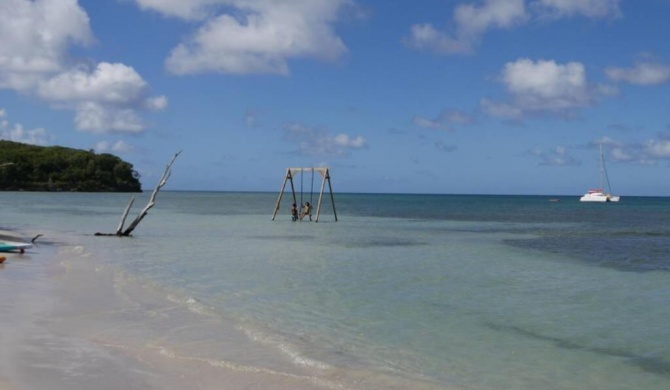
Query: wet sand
[(68, 323)]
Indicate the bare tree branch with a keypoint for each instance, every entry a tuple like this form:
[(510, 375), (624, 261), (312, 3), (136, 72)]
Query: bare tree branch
[(145, 211), (124, 216)]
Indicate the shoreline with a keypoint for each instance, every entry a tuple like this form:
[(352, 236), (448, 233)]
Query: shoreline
[(68, 325), (75, 323)]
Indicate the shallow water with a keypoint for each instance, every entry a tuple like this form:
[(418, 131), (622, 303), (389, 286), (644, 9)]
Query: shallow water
[(404, 291)]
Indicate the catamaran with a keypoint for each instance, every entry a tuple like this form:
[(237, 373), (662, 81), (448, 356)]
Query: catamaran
[(599, 194)]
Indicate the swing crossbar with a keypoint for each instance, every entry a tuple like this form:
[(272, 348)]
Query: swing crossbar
[(288, 178), (321, 170)]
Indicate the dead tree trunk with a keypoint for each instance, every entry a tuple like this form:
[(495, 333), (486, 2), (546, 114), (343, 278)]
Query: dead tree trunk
[(152, 201)]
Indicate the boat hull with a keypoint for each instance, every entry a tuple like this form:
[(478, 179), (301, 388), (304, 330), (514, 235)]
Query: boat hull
[(599, 197)]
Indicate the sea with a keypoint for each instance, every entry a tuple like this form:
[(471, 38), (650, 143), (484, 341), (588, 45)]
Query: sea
[(385, 291)]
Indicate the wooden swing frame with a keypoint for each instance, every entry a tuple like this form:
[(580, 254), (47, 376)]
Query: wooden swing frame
[(290, 174)]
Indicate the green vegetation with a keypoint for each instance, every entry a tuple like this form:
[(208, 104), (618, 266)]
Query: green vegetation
[(55, 168)]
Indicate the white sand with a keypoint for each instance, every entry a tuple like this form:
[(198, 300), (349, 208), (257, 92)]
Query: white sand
[(71, 323), (67, 325)]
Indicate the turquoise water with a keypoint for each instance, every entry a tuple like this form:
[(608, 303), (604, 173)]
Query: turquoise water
[(406, 291)]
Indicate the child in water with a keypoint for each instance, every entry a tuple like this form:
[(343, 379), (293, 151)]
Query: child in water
[(294, 212)]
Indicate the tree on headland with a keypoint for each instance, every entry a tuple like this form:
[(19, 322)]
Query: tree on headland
[(56, 168)]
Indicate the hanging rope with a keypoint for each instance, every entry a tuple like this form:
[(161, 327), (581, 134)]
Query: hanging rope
[(311, 196), (302, 174)]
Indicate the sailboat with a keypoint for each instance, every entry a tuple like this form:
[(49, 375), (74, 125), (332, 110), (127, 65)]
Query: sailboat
[(599, 194)]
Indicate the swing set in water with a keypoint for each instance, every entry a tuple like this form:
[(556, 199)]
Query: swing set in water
[(291, 173)]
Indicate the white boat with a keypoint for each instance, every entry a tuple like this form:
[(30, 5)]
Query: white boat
[(599, 194)]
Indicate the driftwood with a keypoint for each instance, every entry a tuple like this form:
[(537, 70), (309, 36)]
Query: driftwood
[(152, 201)]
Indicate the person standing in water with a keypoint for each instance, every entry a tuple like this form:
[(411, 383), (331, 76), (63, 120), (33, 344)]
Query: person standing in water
[(294, 212)]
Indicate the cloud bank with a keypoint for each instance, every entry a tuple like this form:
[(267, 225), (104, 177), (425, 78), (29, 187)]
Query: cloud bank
[(542, 87), (252, 36), (315, 142), (34, 61), (17, 133), (472, 20)]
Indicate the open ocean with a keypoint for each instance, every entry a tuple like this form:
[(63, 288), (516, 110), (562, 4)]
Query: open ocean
[(403, 292)]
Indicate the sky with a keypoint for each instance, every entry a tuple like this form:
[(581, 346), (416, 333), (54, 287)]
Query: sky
[(394, 96)]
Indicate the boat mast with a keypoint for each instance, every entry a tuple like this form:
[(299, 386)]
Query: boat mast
[(603, 172)]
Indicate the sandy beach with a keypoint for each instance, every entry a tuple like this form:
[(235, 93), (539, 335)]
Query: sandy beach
[(70, 324), (213, 295)]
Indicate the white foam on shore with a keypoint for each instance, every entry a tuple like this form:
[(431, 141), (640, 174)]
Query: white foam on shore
[(287, 349)]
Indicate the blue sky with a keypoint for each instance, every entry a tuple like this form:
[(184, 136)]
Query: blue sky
[(399, 96)]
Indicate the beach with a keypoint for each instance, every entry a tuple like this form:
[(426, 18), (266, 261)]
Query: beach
[(475, 293), (67, 324), (71, 323)]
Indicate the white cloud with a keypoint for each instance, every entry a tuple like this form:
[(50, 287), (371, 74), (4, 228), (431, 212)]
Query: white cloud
[(345, 141), (648, 152), (658, 148), (546, 84), (471, 23), (643, 73), (619, 154), (606, 90), (115, 147), (35, 37), (17, 133), (607, 142), (260, 36), (107, 99), (313, 142), (114, 84), (457, 117), (430, 123), (100, 119), (588, 8), (557, 156), (501, 110), (184, 9), (541, 86), (157, 103), (426, 37), (474, 19), (444, 121)]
